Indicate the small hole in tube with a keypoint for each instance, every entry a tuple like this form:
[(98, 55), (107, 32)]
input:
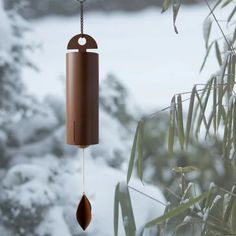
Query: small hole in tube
[(82, 41)]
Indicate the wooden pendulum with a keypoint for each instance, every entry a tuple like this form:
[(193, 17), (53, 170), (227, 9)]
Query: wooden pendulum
[(82, 103)]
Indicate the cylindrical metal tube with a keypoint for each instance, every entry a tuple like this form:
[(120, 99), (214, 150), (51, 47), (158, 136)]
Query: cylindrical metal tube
[(82, 98)]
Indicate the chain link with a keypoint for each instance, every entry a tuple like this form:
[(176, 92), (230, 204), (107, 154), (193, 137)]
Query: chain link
[(82, 17)]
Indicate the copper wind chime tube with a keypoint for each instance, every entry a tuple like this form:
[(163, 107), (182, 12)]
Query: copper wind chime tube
[(82, 103)]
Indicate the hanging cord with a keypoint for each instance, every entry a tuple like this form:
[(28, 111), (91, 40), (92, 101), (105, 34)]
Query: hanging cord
[(83, 172)]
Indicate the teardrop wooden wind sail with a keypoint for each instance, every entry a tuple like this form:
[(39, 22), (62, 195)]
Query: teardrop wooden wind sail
[(82, 103)]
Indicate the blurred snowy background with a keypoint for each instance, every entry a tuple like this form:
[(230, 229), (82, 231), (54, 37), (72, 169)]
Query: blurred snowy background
[(142, 64)]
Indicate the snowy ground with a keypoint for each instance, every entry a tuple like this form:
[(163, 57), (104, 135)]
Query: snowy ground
[(62, 194), (140, 48)]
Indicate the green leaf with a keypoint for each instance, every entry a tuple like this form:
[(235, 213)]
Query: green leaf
[(233, 217), (207, 25), (231, 15), (165, 5), (132, 156), (218, 54), (206, 56), (215, 6), (230, 124), (233, 71), (234, 127), (227, 132), (216, 210), (116, 210), (186, 169), (229, 76), (234, 37), (180, 122), (171, 131), (222, 112), (203, 106), (176, 7), (140, 149), (226, 2), (190, 115), (209, 125), (127, 210), (176, 211), (214, 104), (229, 206), (223, 69)]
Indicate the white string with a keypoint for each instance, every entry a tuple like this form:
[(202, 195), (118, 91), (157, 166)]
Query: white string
[(83, 172)]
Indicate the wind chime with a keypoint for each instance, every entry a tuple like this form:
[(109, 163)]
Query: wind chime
[(82, 102)]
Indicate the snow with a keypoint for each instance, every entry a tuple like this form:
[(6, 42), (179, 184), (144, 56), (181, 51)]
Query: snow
[(142, 50), (6, 41), (37, 123), (26, 184), (54, 224)]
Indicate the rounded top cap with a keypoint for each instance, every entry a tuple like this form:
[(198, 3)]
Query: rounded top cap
[(89, 44)]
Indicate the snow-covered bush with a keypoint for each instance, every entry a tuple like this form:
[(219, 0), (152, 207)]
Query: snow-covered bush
[(43, 191), (13, 56), (25, 196)]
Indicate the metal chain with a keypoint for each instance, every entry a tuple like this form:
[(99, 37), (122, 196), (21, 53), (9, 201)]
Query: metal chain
[(82, 17)]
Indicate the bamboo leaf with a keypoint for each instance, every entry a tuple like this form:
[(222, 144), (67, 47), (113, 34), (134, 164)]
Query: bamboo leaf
[(214, 104), (190, 115), (116, 210), (227, 132), (230, 205), (233, 217), (228, 86), (132, 156), (180, 122), (176, 7), (141, 231), (171, 131), (226, 2), (234, 127), (207, 25), (218, 54), (224, 66), (223, 112), (230, 124), (221, 92), (184, 170), (201, 110), (127, 210), (203, 106), (220, 107), (209, 125), (165, 5), (215, 6), (233, 70), (176, 211), (140, 149), (231, 15), (234, 37), (206, 56)]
